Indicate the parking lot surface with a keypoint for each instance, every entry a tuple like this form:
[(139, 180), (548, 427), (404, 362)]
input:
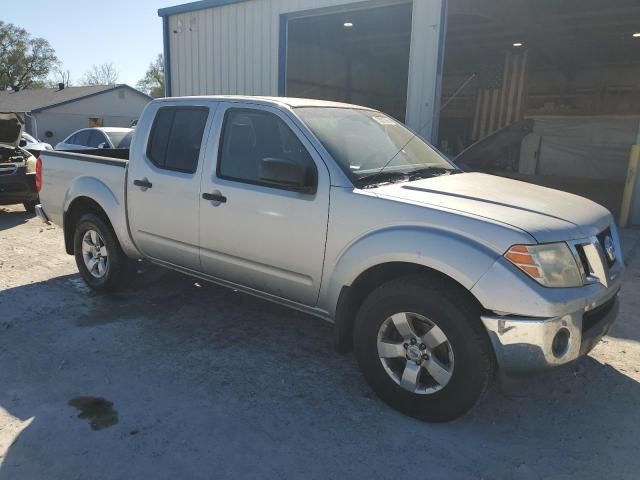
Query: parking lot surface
[(176, 378)]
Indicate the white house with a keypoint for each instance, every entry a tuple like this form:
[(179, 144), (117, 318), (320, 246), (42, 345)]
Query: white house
[(53, 113)]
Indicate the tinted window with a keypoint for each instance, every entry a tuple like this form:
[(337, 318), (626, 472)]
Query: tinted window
[(252, 135), (96, 137), (117, 137), (126, 141), (176, 137), (80, 138)]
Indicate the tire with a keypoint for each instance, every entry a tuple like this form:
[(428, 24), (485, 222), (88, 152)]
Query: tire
[(464, 365), (116, 264), (30, 206)]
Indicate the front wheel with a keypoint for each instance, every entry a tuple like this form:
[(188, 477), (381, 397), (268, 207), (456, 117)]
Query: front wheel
[(30, 206), (98, 254), (422, 348)]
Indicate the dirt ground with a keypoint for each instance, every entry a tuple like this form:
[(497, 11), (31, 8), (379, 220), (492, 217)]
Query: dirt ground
[(175, 378)]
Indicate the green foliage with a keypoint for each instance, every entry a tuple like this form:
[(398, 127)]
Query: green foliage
[(153, 80), (24, 61)]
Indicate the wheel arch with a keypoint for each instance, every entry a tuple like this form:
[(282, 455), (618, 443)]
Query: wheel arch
[(90, 195), (439, 256), (78, 207), (352, 296)]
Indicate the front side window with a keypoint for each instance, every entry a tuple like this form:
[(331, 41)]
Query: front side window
[(363, 142), (249, 137), (176, 138)]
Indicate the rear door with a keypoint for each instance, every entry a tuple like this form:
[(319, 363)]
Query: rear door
[(163, 183), (267, 238)]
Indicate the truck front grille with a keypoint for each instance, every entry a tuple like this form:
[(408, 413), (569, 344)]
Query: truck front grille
[(601, 236), (592, 259)]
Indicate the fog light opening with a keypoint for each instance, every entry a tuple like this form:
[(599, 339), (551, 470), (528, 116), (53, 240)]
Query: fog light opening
[(560, 345)]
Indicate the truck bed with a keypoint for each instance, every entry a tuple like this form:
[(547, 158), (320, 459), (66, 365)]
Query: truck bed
[(65, 174)]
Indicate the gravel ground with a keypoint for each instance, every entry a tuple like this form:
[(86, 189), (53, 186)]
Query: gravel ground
[(175, 378)]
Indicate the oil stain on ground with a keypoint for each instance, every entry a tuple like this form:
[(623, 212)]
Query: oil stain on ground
[(97, 410)]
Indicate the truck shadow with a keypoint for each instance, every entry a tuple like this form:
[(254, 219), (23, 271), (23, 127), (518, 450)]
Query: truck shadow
[(12, 218), (205, 379)]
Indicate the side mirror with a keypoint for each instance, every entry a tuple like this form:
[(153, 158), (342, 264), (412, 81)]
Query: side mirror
[(23, 142), (286, 174), (103, 145)]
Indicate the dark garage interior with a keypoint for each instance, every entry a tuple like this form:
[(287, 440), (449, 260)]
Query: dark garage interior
[(546, 91), (358, 56)]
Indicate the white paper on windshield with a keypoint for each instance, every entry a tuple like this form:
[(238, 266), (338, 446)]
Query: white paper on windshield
[(384, 120)]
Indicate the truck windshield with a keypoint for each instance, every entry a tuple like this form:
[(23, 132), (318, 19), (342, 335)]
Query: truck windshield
[(363, 142)]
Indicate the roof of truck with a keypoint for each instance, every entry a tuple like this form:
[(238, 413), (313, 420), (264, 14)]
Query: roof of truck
[(289, 101)]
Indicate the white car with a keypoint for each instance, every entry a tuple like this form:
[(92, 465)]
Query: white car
[(32, 143), (98, 137)]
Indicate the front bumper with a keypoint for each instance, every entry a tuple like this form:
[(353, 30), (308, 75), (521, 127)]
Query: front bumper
[(528, 345), (16, 186)]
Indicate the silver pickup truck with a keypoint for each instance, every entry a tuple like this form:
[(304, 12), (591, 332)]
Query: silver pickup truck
[(438, 279)]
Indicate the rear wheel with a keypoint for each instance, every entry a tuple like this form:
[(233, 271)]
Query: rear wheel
[(98, 254), (423, 349), (30, 206)]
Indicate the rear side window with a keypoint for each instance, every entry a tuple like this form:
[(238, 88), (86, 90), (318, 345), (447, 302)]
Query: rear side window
[(80, 138), (176, 137)]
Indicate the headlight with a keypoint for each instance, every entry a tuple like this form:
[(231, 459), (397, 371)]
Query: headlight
[(551, 264), (30, 164)]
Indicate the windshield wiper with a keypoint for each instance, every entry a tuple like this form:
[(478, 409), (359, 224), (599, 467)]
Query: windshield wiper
[(428, 172), (381, 177)]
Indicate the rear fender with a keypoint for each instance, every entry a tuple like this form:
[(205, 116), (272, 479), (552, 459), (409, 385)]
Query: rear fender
[(115, 210)]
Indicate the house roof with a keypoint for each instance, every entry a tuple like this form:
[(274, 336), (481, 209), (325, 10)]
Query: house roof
[(37, 99)]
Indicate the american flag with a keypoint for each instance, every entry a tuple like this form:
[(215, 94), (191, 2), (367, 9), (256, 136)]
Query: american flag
[(501, 93)]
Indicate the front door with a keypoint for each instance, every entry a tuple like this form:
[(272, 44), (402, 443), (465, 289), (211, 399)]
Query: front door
[(253, 233), (163, 185)]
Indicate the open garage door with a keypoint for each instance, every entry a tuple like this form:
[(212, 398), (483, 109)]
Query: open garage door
[(356, 56), (567, 70)]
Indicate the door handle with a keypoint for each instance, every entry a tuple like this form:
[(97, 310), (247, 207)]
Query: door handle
[(142, 183), (216, 197)]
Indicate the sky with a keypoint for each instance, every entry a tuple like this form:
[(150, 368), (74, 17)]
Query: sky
[(83, 33)]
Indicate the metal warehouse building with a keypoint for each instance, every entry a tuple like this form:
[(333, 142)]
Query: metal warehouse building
[(543, 91), (271, 47)]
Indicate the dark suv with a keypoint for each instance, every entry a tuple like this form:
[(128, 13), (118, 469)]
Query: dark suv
[(17, 165)]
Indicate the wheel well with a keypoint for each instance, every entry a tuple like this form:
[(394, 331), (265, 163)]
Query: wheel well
[(351, 297), (79, 207)]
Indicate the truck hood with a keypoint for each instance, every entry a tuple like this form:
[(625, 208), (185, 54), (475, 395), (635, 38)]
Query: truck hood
[(547, 215), (11, 127)]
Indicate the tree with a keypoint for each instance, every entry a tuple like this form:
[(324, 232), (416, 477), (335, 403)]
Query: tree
[(58, 76), (24, 60), (153, 80), (105, 74)]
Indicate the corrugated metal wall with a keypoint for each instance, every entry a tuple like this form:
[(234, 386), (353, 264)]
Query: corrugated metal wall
[(233, 49)]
